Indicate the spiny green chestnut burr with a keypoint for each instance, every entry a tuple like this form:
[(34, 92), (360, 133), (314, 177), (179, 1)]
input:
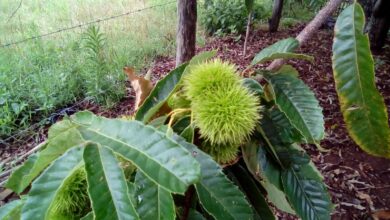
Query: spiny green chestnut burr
[(224, 110), (214, 75), (72, 198), (221, 153), (178, 100)]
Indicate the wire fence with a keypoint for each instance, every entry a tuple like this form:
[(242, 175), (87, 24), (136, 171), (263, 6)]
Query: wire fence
[(85, 24), (29, 134)]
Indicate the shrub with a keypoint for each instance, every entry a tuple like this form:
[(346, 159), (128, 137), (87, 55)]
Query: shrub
[(221, 17)]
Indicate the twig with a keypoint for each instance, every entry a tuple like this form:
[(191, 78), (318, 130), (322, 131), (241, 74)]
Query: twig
[(30, 152), (311, 28), (22, 157), (13, 13), (187, 202), (3, 174), (2, 183), (248, 27)]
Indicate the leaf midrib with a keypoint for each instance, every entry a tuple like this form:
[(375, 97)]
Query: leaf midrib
[(299, 115), (305, 194), (215, 198), (359, 78), (108, 185), (141, 152)]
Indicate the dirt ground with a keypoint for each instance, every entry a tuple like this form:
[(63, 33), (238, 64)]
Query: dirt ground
[(358, 183)]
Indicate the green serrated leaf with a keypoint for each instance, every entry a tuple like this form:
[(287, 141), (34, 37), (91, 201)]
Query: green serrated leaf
[(195, 215), (217, 194), (288, 69), (308, 197), (88, 216), (253, 193), (310, 170), (299, 104), (202, 57), (20, 179), (192, 214), (131, 191), (160, 158), (181, 124), (62, 136), (253, 86), (11, 210), (363, 108), (287, 132), (282, 49), (267, 173), (157, 122), (160, 94), (285, 153), (107, 186), (45, 188), (154, 202)]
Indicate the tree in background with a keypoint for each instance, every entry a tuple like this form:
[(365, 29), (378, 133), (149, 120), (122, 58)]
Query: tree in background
[(379, 24), (276, 16), (186, 30)]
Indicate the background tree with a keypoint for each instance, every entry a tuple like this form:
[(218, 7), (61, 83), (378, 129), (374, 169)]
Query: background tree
[(378, 21), (186, 30), (311, 28), (276, 16), (379, 24)]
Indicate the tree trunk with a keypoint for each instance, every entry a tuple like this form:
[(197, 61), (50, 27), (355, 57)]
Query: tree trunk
[(186, 30), (311, 28), (276, 15), (367, 5), (378, 32), (379, 24)]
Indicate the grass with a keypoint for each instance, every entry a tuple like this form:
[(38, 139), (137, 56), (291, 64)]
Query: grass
[(44, 75), (40, 76)]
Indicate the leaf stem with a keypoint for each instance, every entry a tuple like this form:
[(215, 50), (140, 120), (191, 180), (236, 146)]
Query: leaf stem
[(188, 202)]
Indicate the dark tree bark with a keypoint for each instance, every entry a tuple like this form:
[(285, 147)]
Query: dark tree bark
[(379, 24), (186, 30), (367, 5), (276, 15)]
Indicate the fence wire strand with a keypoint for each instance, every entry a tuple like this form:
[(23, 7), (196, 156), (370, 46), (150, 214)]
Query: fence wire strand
[(85, 24)]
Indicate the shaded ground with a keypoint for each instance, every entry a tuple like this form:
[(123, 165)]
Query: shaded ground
[(358, 183)]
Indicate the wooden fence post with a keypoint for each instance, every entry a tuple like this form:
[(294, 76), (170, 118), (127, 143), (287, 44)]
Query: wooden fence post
[(186, 30)]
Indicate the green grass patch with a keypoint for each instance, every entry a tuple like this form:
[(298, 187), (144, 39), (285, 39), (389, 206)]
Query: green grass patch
[(40, 76)]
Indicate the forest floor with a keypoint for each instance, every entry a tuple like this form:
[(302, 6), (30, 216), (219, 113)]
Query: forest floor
[(358, 183)]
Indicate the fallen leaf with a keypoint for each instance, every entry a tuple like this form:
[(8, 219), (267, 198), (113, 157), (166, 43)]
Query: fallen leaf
[(381, 215), (141, 86)]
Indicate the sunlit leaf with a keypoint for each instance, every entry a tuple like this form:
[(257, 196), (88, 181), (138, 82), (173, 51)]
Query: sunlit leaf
[(107, 186), (294, 98), (157, 156), (154, 202), (282, 49), (45, 188), (217, 194)]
